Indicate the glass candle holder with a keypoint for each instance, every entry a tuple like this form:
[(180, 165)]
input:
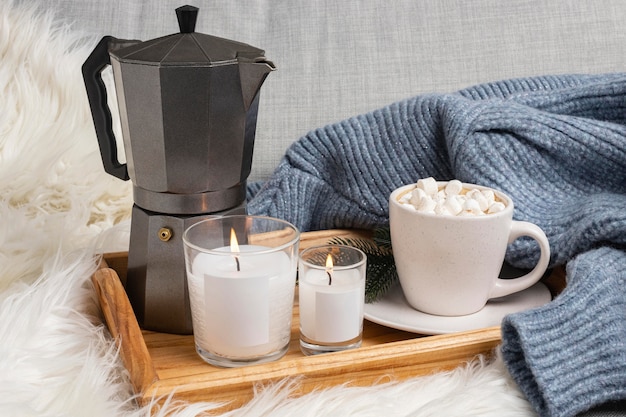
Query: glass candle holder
[(331, 281), (241, 274)]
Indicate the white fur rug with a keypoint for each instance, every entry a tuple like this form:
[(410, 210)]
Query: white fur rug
[(58, 208)]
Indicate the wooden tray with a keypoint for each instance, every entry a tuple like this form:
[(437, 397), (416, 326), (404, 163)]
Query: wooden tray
[(160, 363)]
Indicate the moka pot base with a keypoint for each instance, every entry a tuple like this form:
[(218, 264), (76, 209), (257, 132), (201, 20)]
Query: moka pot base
[(156, 282)]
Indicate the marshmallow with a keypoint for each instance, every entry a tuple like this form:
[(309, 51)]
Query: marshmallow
[(429, 185), (416, 196), (440, 196), (454, 204), (472, 206), (427, 205), (454, 187), (405, 198), (490, 196), (440, 209), (481, 200), (495, 208)]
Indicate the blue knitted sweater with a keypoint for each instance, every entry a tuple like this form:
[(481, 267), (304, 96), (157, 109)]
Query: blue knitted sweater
[(557, 146)]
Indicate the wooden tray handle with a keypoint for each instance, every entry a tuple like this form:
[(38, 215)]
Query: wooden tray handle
[(124, 328)]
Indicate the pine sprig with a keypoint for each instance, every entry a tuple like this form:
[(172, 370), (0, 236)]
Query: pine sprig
[(381, 268)]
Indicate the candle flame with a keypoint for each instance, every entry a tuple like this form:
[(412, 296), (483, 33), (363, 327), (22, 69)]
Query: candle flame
[(234, 245), (329, 268), (329, 263)]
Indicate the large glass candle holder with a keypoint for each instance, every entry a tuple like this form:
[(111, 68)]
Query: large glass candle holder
[(241, 274), (331, 281)]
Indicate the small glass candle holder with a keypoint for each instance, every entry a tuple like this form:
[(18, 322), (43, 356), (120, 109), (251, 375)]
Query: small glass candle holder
[(331, 281), (241, 275)]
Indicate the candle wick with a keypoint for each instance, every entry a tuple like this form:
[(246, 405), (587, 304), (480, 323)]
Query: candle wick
[(237, 261), (330, 278)]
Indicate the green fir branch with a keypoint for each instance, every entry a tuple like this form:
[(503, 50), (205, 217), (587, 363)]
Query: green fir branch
[(381, 268)]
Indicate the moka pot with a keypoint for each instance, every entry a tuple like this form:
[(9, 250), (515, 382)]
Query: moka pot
[(188, 106)]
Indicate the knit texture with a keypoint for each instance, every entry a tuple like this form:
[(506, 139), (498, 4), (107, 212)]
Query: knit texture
[(597, 373), (557, 146)]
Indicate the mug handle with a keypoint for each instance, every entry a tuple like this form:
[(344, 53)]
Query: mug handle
[(509, 286)]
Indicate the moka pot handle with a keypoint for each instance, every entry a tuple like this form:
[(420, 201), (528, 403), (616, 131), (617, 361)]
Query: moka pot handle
[(100, 112)]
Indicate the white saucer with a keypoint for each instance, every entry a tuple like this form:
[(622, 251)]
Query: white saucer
[(393, 311)]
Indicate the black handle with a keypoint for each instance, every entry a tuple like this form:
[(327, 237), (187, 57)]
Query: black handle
[(97, 95)]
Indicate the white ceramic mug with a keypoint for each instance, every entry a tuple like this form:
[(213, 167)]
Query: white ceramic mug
[(450, 265)]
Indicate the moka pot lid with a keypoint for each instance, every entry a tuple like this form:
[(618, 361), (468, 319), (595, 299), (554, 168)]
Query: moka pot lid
[(188, 48)]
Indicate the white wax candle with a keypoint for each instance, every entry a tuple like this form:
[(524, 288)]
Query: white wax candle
[(241, 313), (331, 313)]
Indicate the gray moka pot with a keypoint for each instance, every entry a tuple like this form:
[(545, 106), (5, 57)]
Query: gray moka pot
[(188, 106)]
